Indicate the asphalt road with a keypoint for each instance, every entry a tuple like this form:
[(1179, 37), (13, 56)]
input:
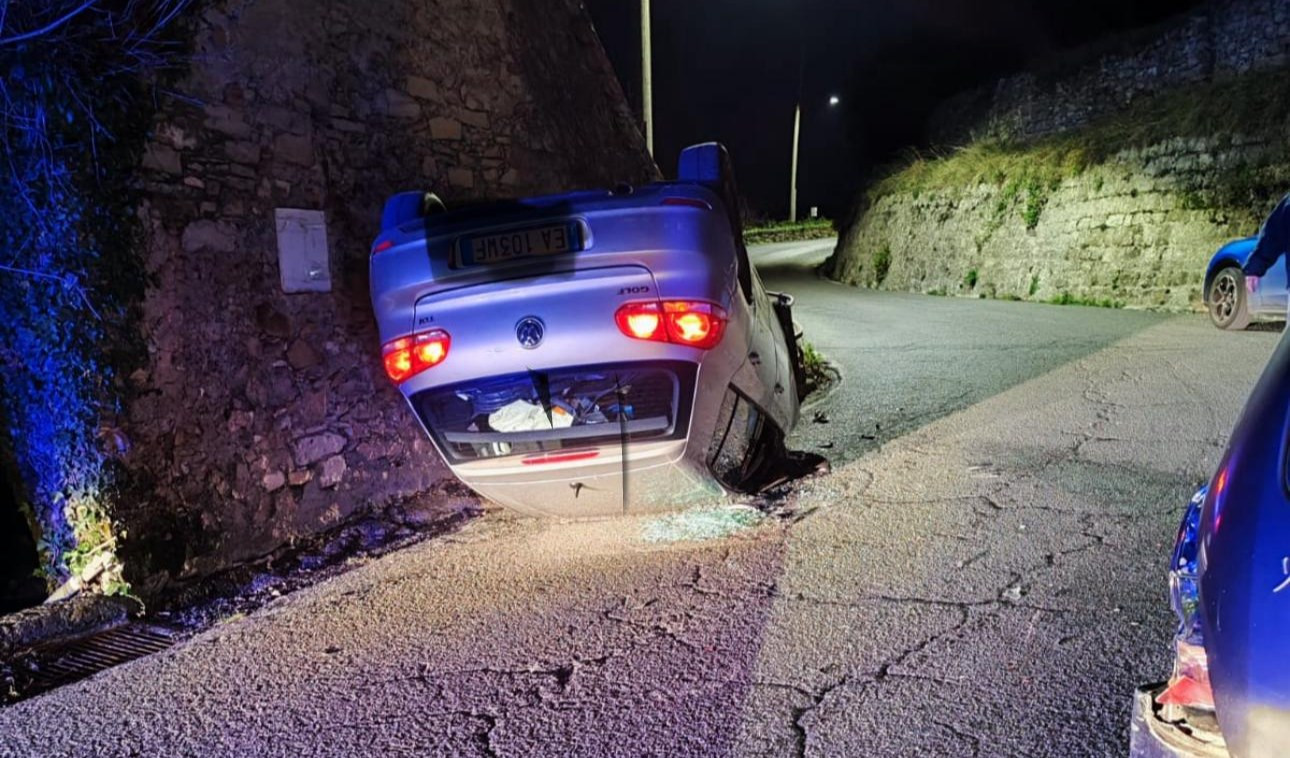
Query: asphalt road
[(981, 574), (908, 359)]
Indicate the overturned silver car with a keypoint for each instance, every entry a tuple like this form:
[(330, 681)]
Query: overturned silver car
[(594, 352)]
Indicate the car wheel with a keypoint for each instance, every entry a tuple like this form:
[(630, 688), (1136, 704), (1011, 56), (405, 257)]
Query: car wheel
[(1229, 305), (735, 452), (748, 453)]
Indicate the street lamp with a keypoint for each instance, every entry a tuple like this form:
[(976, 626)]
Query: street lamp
[(797, 138), (647, 78)]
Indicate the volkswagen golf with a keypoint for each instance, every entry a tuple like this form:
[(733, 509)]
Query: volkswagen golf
[(593, 352)]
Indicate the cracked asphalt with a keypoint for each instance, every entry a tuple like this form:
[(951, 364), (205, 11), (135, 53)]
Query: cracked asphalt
[(983, 574)]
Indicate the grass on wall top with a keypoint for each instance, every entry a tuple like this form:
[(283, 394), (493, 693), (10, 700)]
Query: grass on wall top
[(1254, 106)]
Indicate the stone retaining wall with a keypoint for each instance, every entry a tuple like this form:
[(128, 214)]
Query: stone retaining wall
[(1130, 232), (1221, 38), (265, 416)]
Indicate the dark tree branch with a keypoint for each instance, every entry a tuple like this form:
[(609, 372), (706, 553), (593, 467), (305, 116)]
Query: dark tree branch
[(51, 26)]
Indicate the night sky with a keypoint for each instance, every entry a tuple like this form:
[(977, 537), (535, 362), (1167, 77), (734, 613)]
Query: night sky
[(728, 70)]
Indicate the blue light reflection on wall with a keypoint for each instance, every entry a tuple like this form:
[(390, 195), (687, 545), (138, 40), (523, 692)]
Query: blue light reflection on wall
[(50, 380)]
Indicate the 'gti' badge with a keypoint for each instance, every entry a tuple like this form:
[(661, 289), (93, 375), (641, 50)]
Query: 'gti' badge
[(529, 331)]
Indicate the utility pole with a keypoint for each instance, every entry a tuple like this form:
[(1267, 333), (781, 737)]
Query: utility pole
[(797, 138), (647, 78), (797, 135), (797, 116)]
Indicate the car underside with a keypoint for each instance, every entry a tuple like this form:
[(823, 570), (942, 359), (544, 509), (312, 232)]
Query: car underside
[(594, 352)]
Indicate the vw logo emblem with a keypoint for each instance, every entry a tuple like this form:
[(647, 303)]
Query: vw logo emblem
[(529, 332)]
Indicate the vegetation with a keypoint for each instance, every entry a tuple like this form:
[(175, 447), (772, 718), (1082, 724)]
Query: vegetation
[(1192, 138), (788, 231), (1067, 298), (817, 369), (73, 117), (881, 264), (1027, 173)]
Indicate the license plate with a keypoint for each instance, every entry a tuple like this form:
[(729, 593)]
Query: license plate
[(500, 247)]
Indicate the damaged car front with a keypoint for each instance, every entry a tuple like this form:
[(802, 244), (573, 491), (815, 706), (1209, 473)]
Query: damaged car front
[(1229, 692)]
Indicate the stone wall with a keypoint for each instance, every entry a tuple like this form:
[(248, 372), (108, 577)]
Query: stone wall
[(264, 416), (1222, 38), (1132, 231)]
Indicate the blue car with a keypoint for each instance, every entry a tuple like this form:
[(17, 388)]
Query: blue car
[(1229, 693), (1230, 305)]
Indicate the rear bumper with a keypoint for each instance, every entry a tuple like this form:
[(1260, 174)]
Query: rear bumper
[(601, 476), (1152, 737), (650, 477), (649, 402), (575, 475)]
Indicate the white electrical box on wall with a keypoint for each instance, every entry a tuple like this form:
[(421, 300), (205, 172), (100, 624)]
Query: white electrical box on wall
[(303, 258)]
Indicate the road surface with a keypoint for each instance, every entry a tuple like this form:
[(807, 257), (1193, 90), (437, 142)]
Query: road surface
[(981, 574)]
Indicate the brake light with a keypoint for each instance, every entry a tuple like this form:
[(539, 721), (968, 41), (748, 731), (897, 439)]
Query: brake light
[(1189, 683), (642, 321), (681, 322), (695, 324), (408, 356), (1189, 686), (381, 246)]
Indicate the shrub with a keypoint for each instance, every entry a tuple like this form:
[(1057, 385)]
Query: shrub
[(1036, 199), (817, 373), (73, 119), (788, 231), (881, 264)]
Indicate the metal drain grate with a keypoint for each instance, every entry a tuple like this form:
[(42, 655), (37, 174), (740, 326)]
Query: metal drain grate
[(88, 656)]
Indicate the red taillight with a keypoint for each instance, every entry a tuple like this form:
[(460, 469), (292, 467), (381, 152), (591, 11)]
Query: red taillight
[(642, 321), (381, 246), (681, 322), (1187, 692), (408, 356), (1189, 686), (696, 324)]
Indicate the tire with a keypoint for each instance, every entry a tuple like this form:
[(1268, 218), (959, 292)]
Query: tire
[(1228, 302), (736, 450)]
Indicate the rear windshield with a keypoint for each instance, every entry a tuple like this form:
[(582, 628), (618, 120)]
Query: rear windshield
[(543, 411)]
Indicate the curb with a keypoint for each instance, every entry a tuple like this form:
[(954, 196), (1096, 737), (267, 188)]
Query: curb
[(62, 621)]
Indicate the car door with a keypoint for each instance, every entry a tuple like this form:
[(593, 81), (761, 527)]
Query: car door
[(1244, 562), (765, 351), (710, 164), (1272, 290)]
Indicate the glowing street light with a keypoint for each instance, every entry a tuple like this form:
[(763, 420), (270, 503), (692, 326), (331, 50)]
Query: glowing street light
[(797, 138)]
